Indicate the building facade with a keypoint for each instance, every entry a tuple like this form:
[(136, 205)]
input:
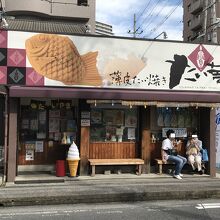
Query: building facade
[(67, 16), (201, 20)]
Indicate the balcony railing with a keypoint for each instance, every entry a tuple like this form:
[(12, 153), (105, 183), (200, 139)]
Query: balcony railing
[(196, 23), (197, 6)]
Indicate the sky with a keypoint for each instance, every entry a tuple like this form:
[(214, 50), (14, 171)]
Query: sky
[(152, 17)]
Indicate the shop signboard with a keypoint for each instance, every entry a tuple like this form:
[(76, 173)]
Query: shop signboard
[(85, 122), (40, 59)]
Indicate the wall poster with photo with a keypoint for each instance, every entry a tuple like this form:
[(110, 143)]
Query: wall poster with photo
[(113, 117), (131, 118), (54, 125), (96, 116)]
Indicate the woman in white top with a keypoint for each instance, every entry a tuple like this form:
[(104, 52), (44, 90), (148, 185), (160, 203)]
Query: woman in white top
[(167, 154)]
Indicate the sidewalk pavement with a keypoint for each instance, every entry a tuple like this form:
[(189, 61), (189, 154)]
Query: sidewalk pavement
[(109, 188)]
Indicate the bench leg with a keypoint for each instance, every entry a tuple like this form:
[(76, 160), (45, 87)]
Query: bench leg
[(160, 169), (93, 170), (139, 169)]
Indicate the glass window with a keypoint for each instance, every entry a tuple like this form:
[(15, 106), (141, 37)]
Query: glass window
[(39, 121), (116, 125)]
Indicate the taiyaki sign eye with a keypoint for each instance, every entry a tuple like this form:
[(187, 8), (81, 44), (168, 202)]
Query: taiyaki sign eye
[(42, 38)]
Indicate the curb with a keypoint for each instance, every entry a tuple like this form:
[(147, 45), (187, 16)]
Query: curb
[(113, 197)]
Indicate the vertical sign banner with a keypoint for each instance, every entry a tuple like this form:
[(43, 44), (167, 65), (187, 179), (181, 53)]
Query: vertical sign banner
[(217, 121)]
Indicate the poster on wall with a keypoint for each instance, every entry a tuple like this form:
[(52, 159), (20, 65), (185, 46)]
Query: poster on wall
[(113, 117), (217, 145), (131, 133), (39, 146), (85, 122), (108, 62), (130, 118), (96, 116), (179, 132), (54, 124), (29, 154)]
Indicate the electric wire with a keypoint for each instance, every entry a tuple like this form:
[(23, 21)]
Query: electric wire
[(155, 16), (144, 10), (137, 17), (151, 43), (164, 20), (150, 14)]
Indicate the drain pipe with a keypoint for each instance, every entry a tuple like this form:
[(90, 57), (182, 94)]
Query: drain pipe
[(6, 136)]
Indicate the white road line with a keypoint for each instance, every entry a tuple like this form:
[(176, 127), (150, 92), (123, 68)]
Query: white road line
[(208, 206), (109, 212), (27, 213)]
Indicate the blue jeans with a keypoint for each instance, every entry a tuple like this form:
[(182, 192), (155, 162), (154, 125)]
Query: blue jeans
[(179, 162)]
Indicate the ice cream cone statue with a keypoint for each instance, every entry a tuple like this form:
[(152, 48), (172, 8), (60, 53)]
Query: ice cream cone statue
[(73, 159)]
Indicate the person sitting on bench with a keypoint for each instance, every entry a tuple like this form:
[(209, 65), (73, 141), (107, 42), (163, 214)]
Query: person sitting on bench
[(169, 154), (193, 148)]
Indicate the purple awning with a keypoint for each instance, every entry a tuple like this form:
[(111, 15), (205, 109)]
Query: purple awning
[(116, 94)]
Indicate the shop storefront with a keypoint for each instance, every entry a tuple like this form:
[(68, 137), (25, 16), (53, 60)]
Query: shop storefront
[(113, 101), (106, 129)]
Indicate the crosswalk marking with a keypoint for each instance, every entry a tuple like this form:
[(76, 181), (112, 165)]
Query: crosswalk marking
[(208, 206)]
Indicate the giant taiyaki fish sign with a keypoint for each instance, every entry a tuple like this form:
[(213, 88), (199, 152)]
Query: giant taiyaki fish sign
[(56, 57), (109, 62)]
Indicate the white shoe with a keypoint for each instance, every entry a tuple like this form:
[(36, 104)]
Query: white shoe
[(177, 177), (181, 175)]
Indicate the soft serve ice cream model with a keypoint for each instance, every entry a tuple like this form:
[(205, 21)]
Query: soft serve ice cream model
[(73, 159)]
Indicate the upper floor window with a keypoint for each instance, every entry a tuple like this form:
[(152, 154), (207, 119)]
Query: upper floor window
[(82, 2), (189, 23), (198, 16), (189, 7)]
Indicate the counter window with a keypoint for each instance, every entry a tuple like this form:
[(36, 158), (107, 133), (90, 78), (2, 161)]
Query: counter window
[(116, 125)]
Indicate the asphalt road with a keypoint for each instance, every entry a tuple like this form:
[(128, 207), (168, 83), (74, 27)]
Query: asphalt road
[(196, 209)]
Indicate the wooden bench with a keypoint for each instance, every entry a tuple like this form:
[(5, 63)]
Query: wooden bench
[(160, 164), (131, 161)]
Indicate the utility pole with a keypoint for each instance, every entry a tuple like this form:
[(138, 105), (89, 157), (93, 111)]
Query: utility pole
[(135, 31), (205, 20)]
